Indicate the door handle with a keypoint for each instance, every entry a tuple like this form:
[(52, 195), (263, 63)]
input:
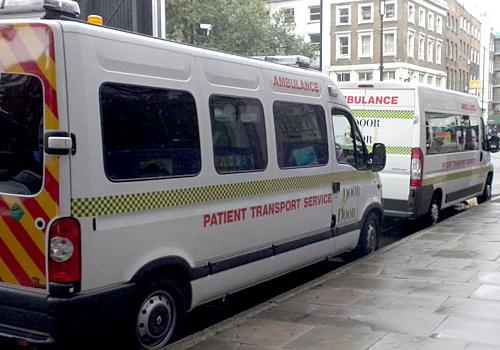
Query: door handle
[(336, 187), (481, 157)]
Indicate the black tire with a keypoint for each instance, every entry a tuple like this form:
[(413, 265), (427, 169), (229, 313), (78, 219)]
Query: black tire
[(486, 195), (434, 212), (369, 235), (158, 314)]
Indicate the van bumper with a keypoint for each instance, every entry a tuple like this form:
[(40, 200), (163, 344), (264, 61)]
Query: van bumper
[(417, 205), (41, 319)]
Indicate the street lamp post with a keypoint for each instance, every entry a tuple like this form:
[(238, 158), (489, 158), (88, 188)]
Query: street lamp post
[(382, 13)]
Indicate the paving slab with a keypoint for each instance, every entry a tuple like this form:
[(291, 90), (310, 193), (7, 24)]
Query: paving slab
[(438, 289)]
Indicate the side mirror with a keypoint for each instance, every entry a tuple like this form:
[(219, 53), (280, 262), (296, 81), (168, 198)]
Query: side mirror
[(494, 144), (378, 157)]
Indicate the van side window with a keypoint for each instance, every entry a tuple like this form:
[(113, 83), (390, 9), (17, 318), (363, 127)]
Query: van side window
[(149, 132), (301, 136), (471, 132), (349, 145), (445, 134), (238, 133), (452, 133)]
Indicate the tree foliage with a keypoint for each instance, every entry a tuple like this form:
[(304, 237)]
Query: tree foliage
[(237, 26)]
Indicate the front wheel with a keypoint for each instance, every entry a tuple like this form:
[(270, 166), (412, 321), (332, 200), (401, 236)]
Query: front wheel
[(486, 195), (369, 235), (158, 314)]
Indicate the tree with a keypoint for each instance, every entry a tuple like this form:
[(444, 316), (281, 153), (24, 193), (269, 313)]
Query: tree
[(237, 26)]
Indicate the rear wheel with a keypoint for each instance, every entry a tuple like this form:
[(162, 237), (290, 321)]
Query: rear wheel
[(158, 314), (434, 212), (369, 235), (486, 195)]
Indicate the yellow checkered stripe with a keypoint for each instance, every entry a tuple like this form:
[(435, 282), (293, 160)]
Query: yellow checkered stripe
[(455, 176), (382, 114), (396, 150), (136, 202)]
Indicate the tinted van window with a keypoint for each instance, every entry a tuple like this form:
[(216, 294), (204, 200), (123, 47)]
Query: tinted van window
[(301, 136), (239, 134), (149, 132), (21, 134)]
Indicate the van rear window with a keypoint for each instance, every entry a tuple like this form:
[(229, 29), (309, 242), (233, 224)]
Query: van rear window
[(21, 134), (149, 132)]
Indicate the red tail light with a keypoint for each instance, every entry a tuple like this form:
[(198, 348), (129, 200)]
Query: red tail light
[(65, 251), (417, 167)]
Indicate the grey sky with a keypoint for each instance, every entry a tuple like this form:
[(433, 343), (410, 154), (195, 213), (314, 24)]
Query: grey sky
[(487, 11)]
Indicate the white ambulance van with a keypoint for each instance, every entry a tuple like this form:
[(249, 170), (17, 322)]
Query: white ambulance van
[(140, 178), (438, 153)]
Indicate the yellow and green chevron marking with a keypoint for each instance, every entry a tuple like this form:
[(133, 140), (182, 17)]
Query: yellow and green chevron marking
[(382, 114), (135, 202), (395, 150)]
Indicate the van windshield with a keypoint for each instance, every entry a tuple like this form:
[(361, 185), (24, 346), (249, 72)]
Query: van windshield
[(21, 134)]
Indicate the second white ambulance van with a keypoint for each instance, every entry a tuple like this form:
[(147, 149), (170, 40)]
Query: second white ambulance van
[(438, 153)]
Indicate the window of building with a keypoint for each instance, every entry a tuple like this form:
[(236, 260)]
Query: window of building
[(389, 75), (315, 39), (349, 145), (411, 12), (343, 76), (430, 79), (411, 44), (430, 21), (238, 134), (148, 132), (365, 13), (365, 44), (314, 13), (438, 52), (301, 137), (430, 50), (288, 14), (421, 17), (421, 77), (343, 15), (343, 46), (390, 11), (365, 76), (421, 48), (438, 81), (390, 44), (439, 25), (21, 134)]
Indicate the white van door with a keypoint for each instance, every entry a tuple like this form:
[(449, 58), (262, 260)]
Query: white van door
[(353, 172)]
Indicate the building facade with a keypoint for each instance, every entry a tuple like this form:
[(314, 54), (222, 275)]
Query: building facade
[(306, 15), (463, 49), (412, 40), (496, 78)]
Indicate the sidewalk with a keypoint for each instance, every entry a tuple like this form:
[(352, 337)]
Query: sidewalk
[(437, 289)]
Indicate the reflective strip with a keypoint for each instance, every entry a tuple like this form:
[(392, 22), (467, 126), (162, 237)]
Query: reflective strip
[(396, 150), (127, 203), (382, 114), (455, 176), (29, 49)]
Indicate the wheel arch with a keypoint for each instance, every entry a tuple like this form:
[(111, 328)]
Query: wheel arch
[(170, 266), (373, 208)]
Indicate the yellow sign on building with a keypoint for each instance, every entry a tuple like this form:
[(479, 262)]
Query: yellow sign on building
[(475, 84)]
